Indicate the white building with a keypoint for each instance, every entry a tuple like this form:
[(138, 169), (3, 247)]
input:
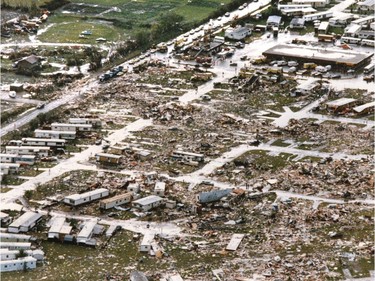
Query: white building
[(297, 23), (147, 203), (273, 21), (91, 121), (133, 187), (44, 142), (323, 27), (66, 135), (313, 3), (41, 151), (58, 228), (145, 245), (116, 200), (15, 245), (237, 33), (318, 16), (9, 168), (5, 219), (71, 127), (187, 156), (79, 199), (11, 237), (159, 188), (86, 232), (18, 159), (18, 264), (25, 222)]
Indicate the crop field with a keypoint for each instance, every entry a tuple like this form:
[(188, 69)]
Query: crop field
[(118, 19)]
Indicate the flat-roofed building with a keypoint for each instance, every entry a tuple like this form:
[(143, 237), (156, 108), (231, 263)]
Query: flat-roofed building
[(323, 56)]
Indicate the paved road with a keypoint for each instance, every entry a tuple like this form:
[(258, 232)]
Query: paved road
[(68, 95)]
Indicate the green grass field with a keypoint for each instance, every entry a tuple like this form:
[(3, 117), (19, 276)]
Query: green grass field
[(116, 20)]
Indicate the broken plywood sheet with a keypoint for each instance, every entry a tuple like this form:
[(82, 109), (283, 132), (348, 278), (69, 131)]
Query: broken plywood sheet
[(235, 242)]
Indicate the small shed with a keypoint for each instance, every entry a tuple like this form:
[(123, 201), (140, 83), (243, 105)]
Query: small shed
[(29, 65), (59, 228), (159, 188)]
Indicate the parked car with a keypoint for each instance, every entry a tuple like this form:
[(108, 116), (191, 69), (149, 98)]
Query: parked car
[(227, 14)]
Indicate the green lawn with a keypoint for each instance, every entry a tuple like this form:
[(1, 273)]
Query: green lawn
[(117, 19)]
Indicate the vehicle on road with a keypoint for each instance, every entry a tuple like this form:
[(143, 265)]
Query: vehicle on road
[(40, 106)]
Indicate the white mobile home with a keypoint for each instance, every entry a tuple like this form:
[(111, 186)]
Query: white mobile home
[(79, 199), (11, 237), (66, 135), (18, 159), (15, 245), (44, 142), (145, 245), (42, 151), (116, 200), (71, 127), (59, 228), (318, 16), (25, 222), (159, 188), (147, 203), (9, 168), (91, 121), (299, 12), (86, 232), (323, 27), (18, 264), (7, 254), (313, 3), (273, 21), (187, 156)]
